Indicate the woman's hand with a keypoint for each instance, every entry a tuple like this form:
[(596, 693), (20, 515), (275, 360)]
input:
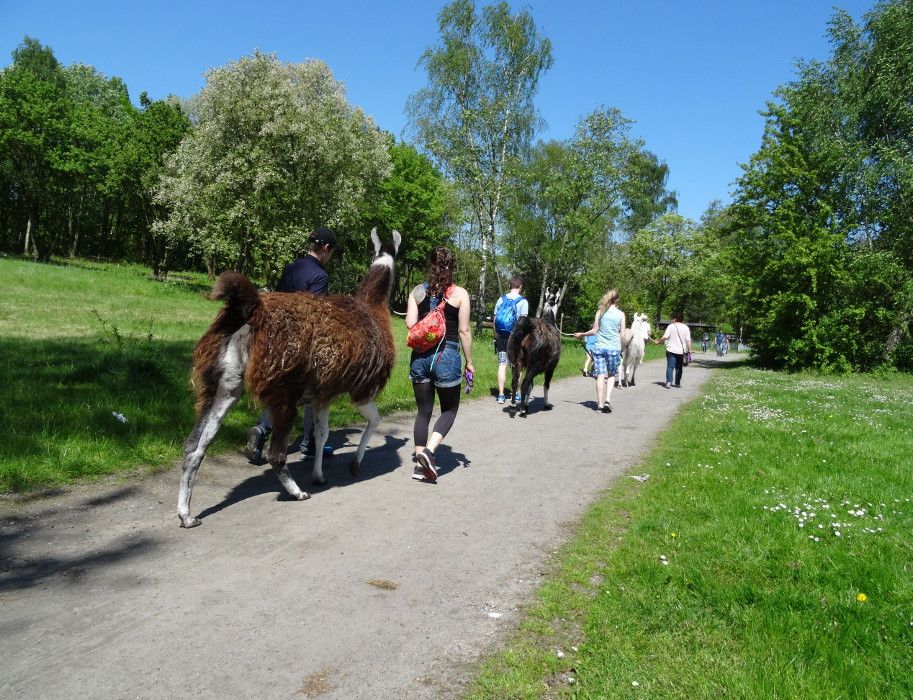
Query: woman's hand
[(578, 335), (470, 368)]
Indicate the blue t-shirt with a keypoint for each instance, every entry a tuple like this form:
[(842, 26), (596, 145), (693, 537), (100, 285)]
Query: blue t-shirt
[(304, 275), (608, 337)]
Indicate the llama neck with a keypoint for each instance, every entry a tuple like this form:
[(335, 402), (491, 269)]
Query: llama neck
[(378, 282)]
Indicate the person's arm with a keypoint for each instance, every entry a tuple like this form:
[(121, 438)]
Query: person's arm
[(465, 331), (665, 336), (592, 330), (411, 312)]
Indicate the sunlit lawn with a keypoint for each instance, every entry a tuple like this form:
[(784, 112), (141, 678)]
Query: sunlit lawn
[(768, 555), (83, 341)]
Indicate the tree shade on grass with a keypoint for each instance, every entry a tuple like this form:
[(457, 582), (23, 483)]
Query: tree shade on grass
[(85, 341)]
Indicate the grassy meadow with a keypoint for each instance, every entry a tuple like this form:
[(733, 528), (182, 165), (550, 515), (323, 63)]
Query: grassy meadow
[(81, 342), (768, 555)]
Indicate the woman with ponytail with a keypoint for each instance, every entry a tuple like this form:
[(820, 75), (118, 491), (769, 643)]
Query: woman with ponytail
[(439, 367), (607, 327)]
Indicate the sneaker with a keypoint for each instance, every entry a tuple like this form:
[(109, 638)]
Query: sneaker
[(668, 385), (256, 436), (607, 408), (501, 398), (425, 461), (517, 396)]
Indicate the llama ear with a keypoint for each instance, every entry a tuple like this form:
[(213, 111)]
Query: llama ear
[(397, 239), (376, 241)]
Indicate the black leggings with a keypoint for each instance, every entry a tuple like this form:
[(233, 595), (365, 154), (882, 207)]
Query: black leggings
[(424, 399)]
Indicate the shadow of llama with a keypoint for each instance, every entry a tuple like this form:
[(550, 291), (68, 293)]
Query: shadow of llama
[(534, 347), (288, 349)]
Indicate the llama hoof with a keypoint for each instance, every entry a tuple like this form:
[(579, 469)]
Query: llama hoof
[(189, 522), (355, 468), (303, 496), (523, 412), (547, 407), (322, 481)]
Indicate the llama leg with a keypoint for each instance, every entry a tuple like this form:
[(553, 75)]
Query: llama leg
[(547, 383), (514, 381), (369, 411), (283, 420), (195, 446), (525, 390), (321, 433)]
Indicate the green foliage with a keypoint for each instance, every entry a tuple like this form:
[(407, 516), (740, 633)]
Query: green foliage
[(477, 115), (77, 160), (277, 152), (569, 199), (122, 343), (824, 206), (755, 600)]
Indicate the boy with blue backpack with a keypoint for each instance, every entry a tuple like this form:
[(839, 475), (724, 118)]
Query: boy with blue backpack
[(508, 309)]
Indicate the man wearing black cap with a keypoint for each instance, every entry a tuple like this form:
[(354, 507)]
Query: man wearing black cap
[(306, 274)]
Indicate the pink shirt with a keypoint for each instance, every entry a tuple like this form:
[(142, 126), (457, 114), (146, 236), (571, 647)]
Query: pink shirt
[(678, 338)]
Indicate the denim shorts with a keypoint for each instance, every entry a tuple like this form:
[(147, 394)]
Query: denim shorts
[(447, 369), (606, 361)]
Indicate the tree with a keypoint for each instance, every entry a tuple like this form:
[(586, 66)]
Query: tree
[(277, 151), (823, 206), (566, 201), (34, 117), (414, 199), (477, 114), (659, 257)]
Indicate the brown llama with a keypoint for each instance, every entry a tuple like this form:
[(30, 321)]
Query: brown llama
[(534, 347), (289, 349)]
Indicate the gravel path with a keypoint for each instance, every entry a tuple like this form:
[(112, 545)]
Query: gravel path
[(381, 588)]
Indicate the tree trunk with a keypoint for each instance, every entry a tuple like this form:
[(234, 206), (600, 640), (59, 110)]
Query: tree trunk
[(31, 232), (545, 282), (480, 299)]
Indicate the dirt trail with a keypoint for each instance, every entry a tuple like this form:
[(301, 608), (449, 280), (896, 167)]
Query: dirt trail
[(381, 588)]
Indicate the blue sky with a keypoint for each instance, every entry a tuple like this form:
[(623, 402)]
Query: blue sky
[(693, 75)]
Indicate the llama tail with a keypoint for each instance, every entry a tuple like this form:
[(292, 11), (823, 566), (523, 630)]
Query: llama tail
[(241, 303), (241, 300)]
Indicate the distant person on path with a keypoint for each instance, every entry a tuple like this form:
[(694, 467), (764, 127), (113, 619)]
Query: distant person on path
[(306, 274), (588, 349), (607, 325), (438, 368), (508, 309), (678, 343), (705, 341), (719, 342)]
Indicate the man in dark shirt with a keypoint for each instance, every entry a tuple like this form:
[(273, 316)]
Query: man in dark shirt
[(306, 274)]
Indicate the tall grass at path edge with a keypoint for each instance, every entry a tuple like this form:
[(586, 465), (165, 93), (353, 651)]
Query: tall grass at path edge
[(768, 554), (95, 364)]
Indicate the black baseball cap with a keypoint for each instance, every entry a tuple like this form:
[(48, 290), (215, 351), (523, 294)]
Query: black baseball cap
[(323, 236)]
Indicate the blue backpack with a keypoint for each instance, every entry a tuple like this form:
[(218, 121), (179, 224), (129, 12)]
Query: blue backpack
[(507, 314)]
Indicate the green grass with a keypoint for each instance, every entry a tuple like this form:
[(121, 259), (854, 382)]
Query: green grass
[(81, 341), (750, 605)]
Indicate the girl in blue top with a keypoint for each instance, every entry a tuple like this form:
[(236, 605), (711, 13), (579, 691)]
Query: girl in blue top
[(607, 327)]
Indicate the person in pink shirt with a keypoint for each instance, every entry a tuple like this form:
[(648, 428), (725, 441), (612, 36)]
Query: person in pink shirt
[(678, 344)]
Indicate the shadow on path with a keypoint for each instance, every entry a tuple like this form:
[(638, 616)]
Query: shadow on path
[(377, 461)]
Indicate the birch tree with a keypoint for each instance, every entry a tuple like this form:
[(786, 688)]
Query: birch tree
[(477, 113)]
